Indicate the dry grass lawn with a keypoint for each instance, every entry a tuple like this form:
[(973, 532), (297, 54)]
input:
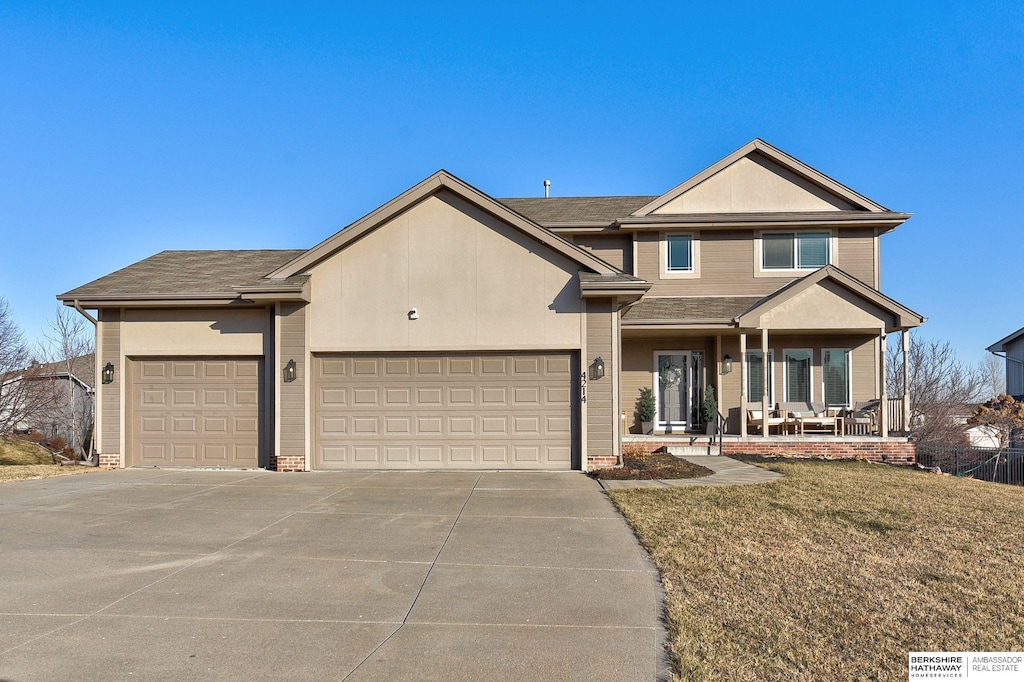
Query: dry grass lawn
[(835, 572), (20, 461)]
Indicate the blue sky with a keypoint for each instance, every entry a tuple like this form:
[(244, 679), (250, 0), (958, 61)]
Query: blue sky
[(130, 128)]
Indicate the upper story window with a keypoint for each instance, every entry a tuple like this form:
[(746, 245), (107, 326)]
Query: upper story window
[(795, 250), (680, 255)]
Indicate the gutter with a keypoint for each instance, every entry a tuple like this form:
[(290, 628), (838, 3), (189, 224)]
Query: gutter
[(1006, 357)]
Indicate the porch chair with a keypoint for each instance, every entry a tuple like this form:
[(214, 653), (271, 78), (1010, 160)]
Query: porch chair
[(862, 420), (755, 419)]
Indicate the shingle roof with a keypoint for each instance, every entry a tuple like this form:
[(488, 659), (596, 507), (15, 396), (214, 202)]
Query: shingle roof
[(187, 272), (577, 209), (694, 308)]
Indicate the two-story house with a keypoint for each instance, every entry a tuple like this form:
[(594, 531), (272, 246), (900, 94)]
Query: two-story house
[(1011, 350), (449, 329)]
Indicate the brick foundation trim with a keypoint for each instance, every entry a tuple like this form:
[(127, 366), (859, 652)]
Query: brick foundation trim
[(110, 460), (889, 453), (287, 463), (601, 461)]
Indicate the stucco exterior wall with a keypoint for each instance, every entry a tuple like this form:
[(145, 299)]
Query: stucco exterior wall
[(195, 331), (754, 183), (476, 284)]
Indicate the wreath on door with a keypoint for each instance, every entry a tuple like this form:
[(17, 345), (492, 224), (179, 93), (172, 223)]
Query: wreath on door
[(671, 375)]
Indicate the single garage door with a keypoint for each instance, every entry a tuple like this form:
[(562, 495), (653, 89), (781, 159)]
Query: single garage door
[(195, 411), (450, 411)]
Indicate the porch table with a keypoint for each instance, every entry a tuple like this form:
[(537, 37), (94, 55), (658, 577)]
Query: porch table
[(820, 424)]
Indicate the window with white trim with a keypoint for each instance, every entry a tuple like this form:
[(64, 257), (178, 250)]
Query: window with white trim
[(795, 250), (755, 376), (835, 377), (796, 372), (679, 253)]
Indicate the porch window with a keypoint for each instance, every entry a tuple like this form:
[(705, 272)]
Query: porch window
[(835, 371), (755, 376), (795, 250), (679, 253), (797, 376)]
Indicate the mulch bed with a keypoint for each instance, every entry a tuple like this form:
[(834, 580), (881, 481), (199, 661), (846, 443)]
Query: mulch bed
[(655, 465)]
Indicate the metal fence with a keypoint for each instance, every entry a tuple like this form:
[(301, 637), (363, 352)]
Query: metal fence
[(985, 464)]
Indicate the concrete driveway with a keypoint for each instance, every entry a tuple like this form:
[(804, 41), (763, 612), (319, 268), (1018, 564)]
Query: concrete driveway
[(161, 574)]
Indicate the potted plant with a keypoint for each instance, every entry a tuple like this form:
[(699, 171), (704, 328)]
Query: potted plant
[(710, 410), (645, 410)]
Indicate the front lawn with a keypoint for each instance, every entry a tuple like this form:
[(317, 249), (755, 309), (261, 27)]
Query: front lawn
[(20, 460), (834, 572)]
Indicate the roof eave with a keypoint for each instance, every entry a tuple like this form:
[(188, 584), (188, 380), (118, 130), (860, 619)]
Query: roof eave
[(151, 300)]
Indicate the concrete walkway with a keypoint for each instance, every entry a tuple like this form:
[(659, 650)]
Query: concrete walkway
[(247, 575), (728, 471)]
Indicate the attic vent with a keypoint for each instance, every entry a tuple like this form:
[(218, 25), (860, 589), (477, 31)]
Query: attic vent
[(547, 188)]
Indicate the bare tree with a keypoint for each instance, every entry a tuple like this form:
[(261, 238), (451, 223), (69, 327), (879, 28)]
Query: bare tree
[(18, 402), (994, 373), (1005, 416), (943, 390), (65, 346)]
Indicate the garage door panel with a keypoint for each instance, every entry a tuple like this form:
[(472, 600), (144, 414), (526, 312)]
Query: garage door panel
[(195, 412), (444, 411)]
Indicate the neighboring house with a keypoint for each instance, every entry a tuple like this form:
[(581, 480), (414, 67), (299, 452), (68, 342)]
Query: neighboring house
[(1012, 350), (449, 329), (61, 400)]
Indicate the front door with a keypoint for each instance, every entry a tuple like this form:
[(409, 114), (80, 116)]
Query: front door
[(677, 382)]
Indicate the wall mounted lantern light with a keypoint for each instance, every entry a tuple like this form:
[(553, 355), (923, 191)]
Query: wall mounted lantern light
[(414, 314), (726, 364), (108, 373), (597, 368), (289, 371)]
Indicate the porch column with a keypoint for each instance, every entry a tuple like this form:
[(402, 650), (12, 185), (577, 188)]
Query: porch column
[(883, 401), (718, 377), (764, 382), (743, 384), (906, 380)]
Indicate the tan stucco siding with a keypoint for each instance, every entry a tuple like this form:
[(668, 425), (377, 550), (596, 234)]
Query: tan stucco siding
[(751, 184), (199, 331), (856, 254), (825, 306), (291, 408), (476, 283), (600, 407), (615, 249), (110, 394)]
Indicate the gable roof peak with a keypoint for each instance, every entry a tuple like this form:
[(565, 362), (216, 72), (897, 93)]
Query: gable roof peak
[(776, 155)]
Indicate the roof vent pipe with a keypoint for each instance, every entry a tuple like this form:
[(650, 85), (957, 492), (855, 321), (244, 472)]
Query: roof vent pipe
[(547, 188)]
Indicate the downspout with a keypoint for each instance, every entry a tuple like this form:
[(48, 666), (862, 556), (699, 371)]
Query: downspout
[(93, 460)]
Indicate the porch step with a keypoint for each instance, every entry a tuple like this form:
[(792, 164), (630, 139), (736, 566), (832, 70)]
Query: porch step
[(684, 450)]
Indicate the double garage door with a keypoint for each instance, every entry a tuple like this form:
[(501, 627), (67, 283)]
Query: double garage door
[(195, 411), (444, 411)]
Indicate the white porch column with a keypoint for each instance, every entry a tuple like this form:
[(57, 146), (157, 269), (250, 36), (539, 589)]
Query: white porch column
[(906, 380), (883, 401), (764, 383), (743, 384)]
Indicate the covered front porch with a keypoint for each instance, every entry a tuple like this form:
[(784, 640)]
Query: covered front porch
[(808, 361)]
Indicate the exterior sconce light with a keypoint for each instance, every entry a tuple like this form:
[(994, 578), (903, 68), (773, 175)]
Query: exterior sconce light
[(726, 364), (289, 371), (414, 314), (597, 369), (108, 373)]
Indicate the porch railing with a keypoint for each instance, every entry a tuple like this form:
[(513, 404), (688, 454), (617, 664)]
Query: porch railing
[(894, 412)]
